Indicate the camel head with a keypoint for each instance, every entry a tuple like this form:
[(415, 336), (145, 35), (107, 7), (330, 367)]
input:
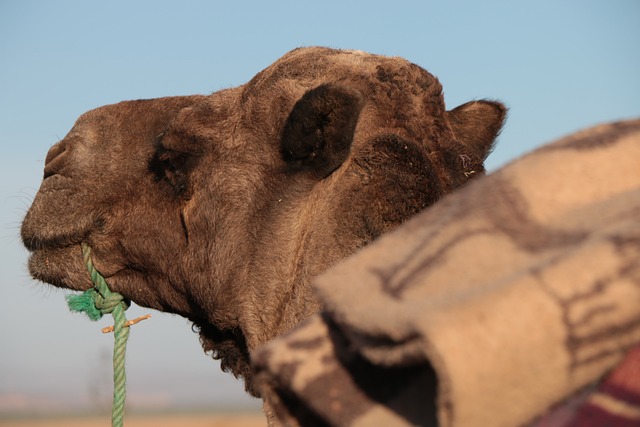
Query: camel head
[(222, 208)]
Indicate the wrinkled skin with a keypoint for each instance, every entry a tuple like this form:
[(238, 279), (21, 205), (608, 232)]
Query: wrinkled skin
[(222, 208)]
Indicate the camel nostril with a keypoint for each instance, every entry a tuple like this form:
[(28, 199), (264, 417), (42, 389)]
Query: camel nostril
[(53, 160), (55, 151)]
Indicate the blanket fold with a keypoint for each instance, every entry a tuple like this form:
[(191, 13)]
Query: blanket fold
[(517, 293)]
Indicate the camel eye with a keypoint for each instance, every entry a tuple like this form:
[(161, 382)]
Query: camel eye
[(177, 161), (171, 167)]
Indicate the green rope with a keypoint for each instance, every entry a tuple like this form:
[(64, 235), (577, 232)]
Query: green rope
[(94, 303)]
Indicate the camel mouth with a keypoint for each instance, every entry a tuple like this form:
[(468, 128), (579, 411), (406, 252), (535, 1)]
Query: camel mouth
[(34, 242)]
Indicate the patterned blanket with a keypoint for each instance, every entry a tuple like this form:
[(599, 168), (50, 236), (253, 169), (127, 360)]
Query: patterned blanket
[(514, 301)]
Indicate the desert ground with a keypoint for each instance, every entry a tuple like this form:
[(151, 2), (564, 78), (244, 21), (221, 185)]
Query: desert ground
[(252, 419)]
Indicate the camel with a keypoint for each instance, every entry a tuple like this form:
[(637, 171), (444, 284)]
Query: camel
[(222, 208)]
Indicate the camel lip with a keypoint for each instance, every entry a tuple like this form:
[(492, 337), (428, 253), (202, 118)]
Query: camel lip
[(36, 236), (53, 180), (58, 268), (64, 267), (34, 243)]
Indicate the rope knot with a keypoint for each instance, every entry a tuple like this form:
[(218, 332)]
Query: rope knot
[(106, 305)]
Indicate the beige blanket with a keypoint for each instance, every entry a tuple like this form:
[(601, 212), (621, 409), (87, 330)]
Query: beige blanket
[(496, 305)]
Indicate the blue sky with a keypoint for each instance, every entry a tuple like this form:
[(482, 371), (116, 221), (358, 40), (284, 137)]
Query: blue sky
[(559, 66)]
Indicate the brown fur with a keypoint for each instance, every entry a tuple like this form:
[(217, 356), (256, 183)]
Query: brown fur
[(222, 208)]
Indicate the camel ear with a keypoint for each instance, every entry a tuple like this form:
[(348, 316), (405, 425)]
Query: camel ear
[(318, 133), (476, 125)]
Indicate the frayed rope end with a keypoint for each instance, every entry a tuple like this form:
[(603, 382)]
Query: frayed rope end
[(84, 303)]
